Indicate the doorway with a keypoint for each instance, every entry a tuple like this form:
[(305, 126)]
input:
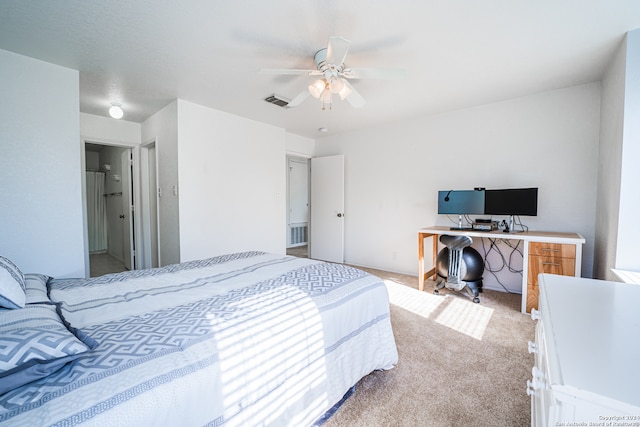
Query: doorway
[(110, 210), (298, 206)]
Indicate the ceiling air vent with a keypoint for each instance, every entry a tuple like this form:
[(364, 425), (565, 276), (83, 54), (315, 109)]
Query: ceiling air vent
[(277, 100)]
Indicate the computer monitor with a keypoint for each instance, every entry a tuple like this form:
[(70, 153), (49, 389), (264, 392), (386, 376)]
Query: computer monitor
[(461, 202), (513, 201)]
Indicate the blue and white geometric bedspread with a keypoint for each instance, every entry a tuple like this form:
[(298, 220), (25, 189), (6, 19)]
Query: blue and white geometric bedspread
[(237, 340)]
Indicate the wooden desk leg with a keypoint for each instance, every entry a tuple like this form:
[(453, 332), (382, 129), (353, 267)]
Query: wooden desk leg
[(422, 275), (435, 255), (421, 237)]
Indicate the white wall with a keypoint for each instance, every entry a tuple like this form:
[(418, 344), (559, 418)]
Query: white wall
[(163, 128), (300, 146), (609, 166), (106, 130), (92, 160), (393, 172), (41, 198), (618, 229), (232, 183), (628, 224)]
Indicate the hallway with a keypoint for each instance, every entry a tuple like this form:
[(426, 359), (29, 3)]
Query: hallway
[(298, 251), (103, 263)]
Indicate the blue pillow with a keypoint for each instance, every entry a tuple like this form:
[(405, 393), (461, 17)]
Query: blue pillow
[(12, 286), (36, 341)]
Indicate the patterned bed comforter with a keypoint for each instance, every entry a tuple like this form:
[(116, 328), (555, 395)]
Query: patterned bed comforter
[(236, 340)]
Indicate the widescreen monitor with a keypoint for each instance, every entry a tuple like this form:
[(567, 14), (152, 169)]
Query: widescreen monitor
[(513, 201), (461, 202)]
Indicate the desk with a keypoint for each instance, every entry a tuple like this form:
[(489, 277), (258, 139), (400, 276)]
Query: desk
[(529, 272)]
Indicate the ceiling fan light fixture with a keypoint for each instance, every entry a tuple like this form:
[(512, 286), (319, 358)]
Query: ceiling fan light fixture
[(336, 84), (316, 88), (344, 92), (326, 98), (334, 75)]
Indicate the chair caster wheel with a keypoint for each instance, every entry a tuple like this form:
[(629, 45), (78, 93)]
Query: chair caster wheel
[(476, 300), (436, 292)]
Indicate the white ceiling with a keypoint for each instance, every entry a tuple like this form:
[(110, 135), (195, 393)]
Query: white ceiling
[(457, 53)]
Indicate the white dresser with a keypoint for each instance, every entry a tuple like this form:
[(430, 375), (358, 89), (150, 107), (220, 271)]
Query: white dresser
[(587, 353)]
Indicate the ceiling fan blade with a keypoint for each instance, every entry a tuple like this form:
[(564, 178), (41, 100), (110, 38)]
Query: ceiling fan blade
[(299, 99), (374, 73), (337, 50), (355, 99), (289, 71)]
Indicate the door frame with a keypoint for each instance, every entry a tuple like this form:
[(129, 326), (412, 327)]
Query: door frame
[(307, 162), (145, 194), (128, 207), (137, 201)]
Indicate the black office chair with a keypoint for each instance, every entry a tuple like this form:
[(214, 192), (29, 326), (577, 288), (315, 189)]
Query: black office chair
[(459, 266)]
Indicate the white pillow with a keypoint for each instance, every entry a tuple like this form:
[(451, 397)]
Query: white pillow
[(12, 285)]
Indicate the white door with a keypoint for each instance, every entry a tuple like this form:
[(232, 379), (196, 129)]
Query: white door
[(127, 210), (327, 209)]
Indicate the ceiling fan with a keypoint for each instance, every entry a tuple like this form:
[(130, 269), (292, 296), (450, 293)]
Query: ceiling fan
[(334, 76)]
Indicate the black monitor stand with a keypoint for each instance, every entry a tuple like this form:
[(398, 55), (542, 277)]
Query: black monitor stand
[(460, 227)]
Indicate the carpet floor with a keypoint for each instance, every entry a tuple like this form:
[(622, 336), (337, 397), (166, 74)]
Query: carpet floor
[(460, 363)]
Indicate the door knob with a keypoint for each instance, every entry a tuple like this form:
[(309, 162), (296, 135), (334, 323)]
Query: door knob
[(122, 216), (339, 215)]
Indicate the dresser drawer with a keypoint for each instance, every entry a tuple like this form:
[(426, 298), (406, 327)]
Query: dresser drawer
[(550, 265), (552, 249)]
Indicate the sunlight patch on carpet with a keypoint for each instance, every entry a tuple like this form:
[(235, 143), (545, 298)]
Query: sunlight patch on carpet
[(413, 300), (466, 317)]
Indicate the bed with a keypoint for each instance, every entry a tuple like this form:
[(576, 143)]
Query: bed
[(243, 339)]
